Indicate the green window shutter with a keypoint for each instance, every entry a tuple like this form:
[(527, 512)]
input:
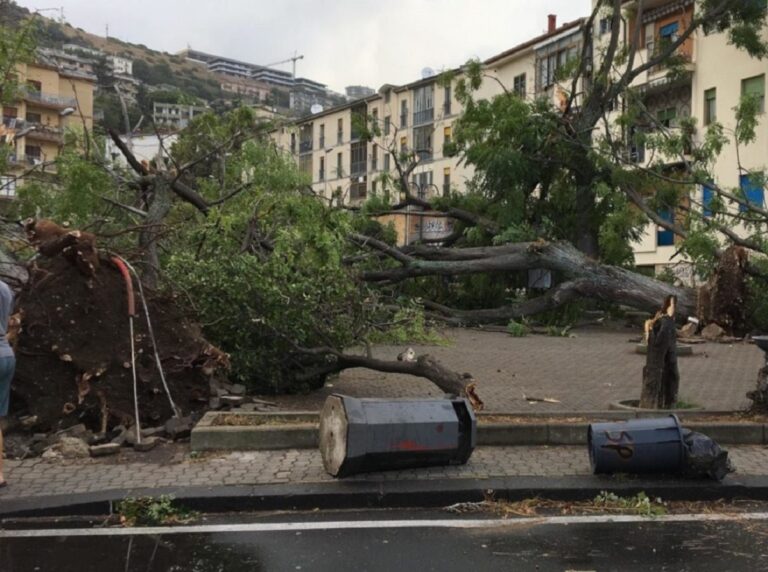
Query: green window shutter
[(753, 85)]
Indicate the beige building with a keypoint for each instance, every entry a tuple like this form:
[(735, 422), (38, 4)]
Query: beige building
[(34, 126), (420, 115)]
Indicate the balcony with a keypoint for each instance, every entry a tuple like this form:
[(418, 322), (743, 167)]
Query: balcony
[(46, 133), (305, 146), (50, 101), (423, 116)]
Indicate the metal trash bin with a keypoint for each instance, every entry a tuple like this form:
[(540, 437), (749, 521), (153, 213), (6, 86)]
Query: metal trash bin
[(652, 445), (363, 435)]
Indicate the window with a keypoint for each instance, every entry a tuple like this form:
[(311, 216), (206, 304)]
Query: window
[(422, 142), (305, 164), (7, 187), (34, 154), (374, 184), (403, 144), (650, 37), (667, 117), (322, 137), (753, 192), (293, 142), (666, 237), (668, 33), (447, 137), (403, 113), (519, 85), (340, 131), (375, 118), (707, 194), (387, 124), (34, 117), (374, 157), (755, 86), (358, 158), (339, 166), (321, 172), (34, 86), (447, 100), (710, 106), (386, 162), (605, 25), (446, 181), (424, 104)]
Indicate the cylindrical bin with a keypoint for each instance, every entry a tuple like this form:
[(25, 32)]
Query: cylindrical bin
[(637, 446), (363, 435)]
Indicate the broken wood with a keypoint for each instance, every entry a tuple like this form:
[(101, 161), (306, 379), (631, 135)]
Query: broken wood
[(661, 378)]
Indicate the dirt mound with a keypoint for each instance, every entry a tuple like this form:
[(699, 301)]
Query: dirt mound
[(74, 353)]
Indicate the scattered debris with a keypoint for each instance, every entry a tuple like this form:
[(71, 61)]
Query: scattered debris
[(531, 399), (104, 450), (712, 332)]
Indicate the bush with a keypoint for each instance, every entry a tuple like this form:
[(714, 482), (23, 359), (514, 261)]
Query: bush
[(517, 329)]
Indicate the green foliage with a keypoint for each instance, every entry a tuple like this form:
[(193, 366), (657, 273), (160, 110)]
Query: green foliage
[(408, 326), (517, 329), (757, 298), (559, 332), (151, 511), (638, 504)]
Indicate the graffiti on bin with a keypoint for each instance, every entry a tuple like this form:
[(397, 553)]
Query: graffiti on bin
[(622, 444)]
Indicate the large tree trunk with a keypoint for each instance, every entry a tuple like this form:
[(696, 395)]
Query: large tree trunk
[(661, 378), (588, 278), (159, 206)]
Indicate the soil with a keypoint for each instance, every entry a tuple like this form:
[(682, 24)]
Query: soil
[(237, 420), (73, 325)]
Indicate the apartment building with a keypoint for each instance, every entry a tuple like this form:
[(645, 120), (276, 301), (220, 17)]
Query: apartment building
[(52, 101), (420, 115), (415, 117), (175, 116)]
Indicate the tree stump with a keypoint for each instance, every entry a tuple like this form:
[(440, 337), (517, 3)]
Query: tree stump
[(661, 378)]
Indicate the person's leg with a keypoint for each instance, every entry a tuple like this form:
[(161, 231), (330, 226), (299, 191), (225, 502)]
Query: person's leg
[(7, 365)]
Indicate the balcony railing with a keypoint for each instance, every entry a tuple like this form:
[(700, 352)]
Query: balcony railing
[(305, 146), (48, 99), (45, 133), (423, 116), (358, 168)]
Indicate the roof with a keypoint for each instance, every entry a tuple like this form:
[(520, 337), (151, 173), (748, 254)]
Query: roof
[(532, 42)]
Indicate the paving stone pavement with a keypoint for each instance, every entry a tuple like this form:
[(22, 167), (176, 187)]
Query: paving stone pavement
[(585, 373), (37, 477)]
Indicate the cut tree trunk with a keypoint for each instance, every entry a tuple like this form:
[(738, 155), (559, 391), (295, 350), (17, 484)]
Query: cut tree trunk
[(661, 378), (159, 207)]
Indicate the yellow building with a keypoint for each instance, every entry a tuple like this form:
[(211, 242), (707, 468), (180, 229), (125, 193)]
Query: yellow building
[(51, 102)]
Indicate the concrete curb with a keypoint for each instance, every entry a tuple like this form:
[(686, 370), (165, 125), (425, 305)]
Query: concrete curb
[(426, 493), (301, 432)]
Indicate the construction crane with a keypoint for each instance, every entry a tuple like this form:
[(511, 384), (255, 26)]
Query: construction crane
[(292, 59)]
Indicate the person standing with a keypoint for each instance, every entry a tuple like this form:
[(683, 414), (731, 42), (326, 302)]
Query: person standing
[(7, 363)]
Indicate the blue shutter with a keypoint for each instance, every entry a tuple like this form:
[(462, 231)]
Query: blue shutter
[(706, 198), (669, 30), (753, 192), (666, 237)]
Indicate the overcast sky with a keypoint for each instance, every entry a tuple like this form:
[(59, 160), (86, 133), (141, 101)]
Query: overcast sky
[(343, 41)]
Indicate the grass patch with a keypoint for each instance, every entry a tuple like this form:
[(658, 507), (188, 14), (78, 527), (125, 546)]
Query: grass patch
[(151, 511)]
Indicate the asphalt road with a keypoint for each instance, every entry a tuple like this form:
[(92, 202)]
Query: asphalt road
[(409, 541)]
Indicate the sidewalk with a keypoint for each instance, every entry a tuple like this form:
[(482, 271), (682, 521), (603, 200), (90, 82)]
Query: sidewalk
[(298, 471), (585, 373)]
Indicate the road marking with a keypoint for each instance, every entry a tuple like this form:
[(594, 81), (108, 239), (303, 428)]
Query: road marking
[(363, 524)]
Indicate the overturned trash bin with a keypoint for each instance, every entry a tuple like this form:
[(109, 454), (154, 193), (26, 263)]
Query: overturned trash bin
[(363, 435), (657, 445), (637, 446)]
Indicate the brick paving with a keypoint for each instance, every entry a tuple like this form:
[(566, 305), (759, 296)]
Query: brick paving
[(38, 477), (586, 372)]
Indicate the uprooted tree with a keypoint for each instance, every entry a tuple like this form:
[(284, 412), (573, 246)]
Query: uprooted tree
[(286, 282)]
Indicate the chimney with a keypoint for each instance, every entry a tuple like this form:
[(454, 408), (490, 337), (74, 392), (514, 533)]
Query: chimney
[(552, 23)]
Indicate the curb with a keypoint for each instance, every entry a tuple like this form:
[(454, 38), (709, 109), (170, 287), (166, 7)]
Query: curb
[(302, 433), (427, 493)]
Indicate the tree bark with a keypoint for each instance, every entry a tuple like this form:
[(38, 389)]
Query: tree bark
[(451, 382), (590, 278), (159, 206), (661, 378)]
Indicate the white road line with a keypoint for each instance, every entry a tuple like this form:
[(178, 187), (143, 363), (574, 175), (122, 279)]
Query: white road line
[(364, 524)]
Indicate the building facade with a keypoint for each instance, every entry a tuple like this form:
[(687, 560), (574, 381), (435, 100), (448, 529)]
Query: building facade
[(420, 115), (33, 127), (175, 116)]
